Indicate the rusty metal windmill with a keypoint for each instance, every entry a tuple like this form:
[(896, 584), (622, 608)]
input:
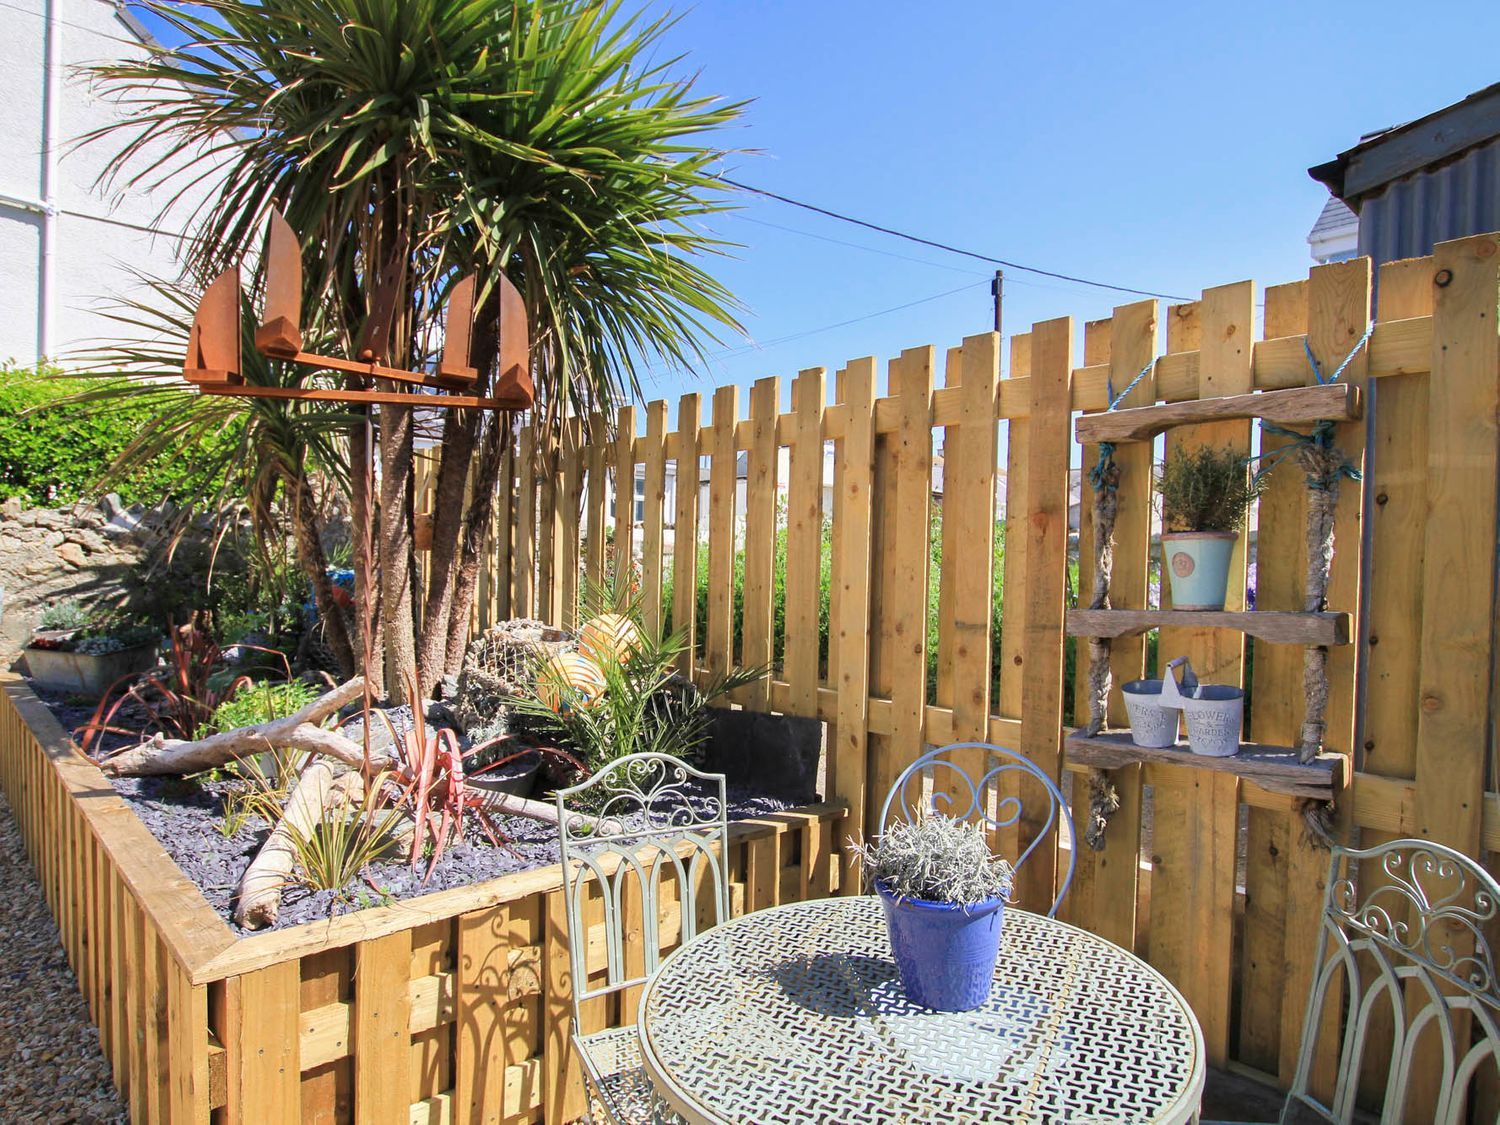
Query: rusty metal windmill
[(213, 361)]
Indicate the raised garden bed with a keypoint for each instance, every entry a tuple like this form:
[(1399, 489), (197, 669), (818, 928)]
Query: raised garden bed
[(450, 1005)]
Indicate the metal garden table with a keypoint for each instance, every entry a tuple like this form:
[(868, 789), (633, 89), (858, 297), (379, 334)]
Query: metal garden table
[(796, 1015)]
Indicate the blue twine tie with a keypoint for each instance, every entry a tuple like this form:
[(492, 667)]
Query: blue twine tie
[(1348, 359)]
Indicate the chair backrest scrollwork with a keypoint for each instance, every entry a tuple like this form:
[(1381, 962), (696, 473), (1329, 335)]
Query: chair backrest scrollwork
[(1403, 935), (639, 821), (979, 781)]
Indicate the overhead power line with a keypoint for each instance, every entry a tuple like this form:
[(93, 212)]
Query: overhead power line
[(841, 217)]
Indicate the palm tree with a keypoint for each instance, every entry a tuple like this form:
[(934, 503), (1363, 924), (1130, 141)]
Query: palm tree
[(538, 137)]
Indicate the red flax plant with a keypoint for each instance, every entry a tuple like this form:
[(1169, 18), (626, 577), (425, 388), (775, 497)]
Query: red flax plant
[(178, 698), (431, 780)]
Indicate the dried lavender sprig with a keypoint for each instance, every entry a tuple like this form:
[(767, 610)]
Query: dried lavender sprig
[(938, 859)]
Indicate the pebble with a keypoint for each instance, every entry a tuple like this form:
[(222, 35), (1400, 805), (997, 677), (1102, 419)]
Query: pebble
[(51, 1067)]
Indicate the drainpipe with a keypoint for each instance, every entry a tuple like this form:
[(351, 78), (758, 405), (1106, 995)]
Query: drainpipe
[(46, 299)]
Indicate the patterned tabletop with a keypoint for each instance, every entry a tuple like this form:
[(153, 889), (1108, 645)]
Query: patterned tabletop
[(796, 1015)]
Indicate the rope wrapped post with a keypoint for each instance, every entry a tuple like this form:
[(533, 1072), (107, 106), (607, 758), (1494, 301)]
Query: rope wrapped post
[(1105, 477)]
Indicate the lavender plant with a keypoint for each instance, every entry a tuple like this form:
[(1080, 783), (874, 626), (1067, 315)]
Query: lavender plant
[(937, 858)]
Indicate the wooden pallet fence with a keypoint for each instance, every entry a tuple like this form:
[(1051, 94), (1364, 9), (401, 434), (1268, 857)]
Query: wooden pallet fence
[(1223, 891)]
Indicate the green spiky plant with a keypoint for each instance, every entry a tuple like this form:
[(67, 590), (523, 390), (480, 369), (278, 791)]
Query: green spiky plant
[(644, 707)]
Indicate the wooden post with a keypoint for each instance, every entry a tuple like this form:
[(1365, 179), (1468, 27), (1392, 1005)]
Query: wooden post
[(624, 491), (760, 538), (719, 642), (1105, 890), (851, 632), (685, 535), (653, 528), (1046, 535), (804, 542)]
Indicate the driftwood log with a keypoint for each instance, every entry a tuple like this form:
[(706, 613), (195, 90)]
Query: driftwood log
[(301, 730), (259, 898)]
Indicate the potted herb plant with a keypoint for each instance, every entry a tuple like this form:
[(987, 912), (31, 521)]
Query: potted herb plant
[(1205, 494), (944, 894), (91, 654)]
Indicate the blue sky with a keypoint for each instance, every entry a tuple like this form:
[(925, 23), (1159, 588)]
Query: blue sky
[(1153, 146)]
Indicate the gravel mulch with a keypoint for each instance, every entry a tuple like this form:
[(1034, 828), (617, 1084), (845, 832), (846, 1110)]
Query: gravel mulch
[(51, 1068)]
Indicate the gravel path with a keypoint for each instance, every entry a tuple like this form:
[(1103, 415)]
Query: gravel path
[(51, 1068)]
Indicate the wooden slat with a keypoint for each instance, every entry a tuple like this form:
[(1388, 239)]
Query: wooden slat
[(1271, 627), (1196, 818), (596, 510), (653, 527), (525, 548), (1105, 886), (804, 542), (624, 470), (1296, 406), (760, 538), (1046, 534), (719, 638), (1276, 717), (263, 1043), (549, 529), (382, 1041), (685, 532), (1274, 768), (570, 502), (948, 551), (905, 597), (562, 1073), (499, 976), (1398, 488), (851, 634), (1458, 616)]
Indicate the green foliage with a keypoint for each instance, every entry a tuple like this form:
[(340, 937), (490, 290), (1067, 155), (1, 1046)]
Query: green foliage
[(1205, 489), (260, 703), (69, 614), (644, 707), (52, 455)]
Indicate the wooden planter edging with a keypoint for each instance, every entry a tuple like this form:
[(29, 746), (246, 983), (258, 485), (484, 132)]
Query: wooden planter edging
[(452, 1007)]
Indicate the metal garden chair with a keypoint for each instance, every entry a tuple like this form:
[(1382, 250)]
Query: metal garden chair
[(639, 820), (1407, 944), (937, 782), (1410, 942)]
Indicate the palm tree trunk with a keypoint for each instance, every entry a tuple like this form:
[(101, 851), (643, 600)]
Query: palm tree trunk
[(366, 572), (459, 432), (315, 567), (395, 549), (476, 529)]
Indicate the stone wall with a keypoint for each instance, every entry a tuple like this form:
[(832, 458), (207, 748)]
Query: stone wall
[(93, 553)]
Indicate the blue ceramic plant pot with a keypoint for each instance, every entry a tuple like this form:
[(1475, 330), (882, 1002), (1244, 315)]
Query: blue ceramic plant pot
[(946, 953)]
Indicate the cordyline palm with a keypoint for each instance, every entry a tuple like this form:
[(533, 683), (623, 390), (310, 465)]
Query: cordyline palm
[(534, 137), (254, 454)]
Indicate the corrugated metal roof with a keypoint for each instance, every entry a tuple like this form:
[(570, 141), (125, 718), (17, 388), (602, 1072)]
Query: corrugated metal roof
[(1414, 213)]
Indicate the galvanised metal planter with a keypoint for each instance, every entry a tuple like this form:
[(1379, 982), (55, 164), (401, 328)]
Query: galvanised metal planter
[(1198, 562), (82, 674), (946, 953)]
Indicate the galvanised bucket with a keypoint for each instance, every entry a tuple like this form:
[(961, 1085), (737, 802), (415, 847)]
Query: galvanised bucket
[(946, 953), (1198, 562)]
